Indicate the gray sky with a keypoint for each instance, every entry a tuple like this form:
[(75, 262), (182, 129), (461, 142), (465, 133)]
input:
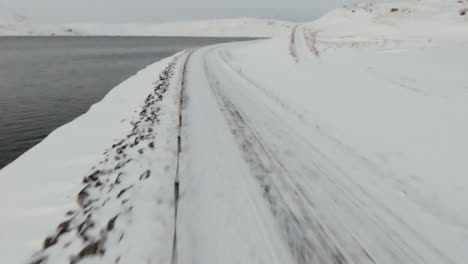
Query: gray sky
[(115, 11)]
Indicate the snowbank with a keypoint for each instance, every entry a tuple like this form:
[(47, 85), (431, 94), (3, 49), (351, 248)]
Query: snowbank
[(88, 174)]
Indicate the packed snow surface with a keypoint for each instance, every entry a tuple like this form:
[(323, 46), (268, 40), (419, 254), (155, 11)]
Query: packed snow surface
[(342, 142)]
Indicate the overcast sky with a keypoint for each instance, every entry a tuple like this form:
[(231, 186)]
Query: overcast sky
[(115, 11)]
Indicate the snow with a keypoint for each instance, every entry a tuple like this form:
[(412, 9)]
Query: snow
[(22, 26), (342, 141), (412, 20), (242, 27), (40, 187), (219, 198), (381, 138)]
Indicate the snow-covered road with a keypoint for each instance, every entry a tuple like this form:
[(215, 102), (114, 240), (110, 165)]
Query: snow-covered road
[(263, 182)]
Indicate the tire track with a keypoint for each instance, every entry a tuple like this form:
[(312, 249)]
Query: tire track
[(304, 247), (292, 44), (311, 41)]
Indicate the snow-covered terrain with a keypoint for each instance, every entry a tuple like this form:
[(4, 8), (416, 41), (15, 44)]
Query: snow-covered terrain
[(245, 27), (343, 141), (22, 26), (213, 28)]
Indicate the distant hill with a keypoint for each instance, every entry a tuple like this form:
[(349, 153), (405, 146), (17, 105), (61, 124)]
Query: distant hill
[(22, 26), (243, 27)]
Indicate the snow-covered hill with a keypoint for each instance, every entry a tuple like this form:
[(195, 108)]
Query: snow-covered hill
[(343, 141), (415, 19), (22, 26), (213, 28), (245, 27)]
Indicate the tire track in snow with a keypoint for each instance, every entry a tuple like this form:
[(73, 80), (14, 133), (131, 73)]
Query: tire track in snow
[(292, 44), (311, 41), (224, 55), (263, 162), (448, 217)]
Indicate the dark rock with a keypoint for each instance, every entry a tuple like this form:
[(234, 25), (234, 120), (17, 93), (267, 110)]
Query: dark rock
[(92, 249), (123, 191), (111, 223), (145, 175), (82, 196), (48, 242)]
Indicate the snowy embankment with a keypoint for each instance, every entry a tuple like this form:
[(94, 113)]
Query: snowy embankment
[(107, 177), (343, 141), (244, 27)]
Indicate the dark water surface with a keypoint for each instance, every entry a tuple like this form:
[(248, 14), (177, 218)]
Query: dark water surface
[(46, 82)]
